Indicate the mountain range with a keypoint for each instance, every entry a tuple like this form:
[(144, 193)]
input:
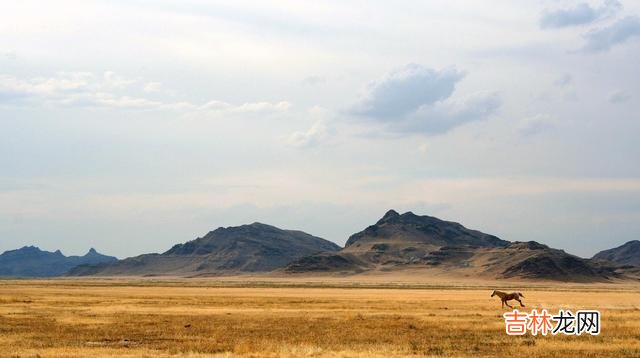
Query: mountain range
[(402, 243), (30, 261), (408, 241), (248, 248)]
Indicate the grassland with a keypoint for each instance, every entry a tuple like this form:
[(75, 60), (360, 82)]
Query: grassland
[(288, 319)]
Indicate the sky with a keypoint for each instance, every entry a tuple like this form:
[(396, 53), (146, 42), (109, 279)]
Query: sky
[(130, 126)]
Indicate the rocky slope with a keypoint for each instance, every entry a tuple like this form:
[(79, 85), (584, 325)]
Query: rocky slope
[(247, 248), (30, 261), (626, 254)]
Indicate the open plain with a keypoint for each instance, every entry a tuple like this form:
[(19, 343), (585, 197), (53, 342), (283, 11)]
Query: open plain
[(290, 318)]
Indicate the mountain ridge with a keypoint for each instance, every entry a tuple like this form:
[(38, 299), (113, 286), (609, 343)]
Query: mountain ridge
[(31, 261), (255, 247), (398, 242), (625, 254), (406, 242)]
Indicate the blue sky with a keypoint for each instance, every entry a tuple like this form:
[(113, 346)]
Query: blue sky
[(130, 126)]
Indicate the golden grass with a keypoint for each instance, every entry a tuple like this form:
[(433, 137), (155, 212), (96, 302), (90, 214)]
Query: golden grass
[(156, 318)]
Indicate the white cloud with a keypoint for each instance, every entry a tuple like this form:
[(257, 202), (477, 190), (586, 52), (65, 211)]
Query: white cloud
[(314, 136), (445, 115), (580, 14), (416, 99), (111, 90), (153, 87), (263, 107), (216, 108), (405, 90), (113, 81), (603, 39)]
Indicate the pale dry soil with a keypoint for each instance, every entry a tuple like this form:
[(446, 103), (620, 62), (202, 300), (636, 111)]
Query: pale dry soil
[(211, 317)]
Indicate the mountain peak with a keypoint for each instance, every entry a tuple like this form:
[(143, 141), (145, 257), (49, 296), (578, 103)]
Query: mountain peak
[(426, 230), (29, 248), (260, 225), (391, 214)]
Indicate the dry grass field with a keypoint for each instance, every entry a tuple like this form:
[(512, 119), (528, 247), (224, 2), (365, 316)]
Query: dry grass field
[(218, 318)]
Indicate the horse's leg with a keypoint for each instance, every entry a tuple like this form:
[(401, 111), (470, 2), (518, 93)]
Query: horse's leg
[(507, 303), (520, 302), (502, 303)]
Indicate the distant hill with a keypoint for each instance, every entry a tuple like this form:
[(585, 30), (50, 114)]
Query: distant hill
[(30, 261), (412, 242), (626, 254), (405, 238), (394, 242), (248, 248), (524, 260)]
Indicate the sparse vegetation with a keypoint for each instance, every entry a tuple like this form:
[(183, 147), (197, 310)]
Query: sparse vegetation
[(154, 318)]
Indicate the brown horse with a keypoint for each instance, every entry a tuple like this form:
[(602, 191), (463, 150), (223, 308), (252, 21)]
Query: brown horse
[(505, 297)]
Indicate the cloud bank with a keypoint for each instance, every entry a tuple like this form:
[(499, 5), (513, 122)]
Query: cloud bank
[(109, 90)]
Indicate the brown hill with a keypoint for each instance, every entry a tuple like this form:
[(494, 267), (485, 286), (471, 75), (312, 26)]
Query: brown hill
[(523, 260), (247, 248), (409, 242), (626, 254), (406, 238)]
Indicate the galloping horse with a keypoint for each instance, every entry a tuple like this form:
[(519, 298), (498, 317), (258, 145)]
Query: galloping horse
[(505, 297)]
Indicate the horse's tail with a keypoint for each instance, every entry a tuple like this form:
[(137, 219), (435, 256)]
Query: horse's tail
[(521, 295)]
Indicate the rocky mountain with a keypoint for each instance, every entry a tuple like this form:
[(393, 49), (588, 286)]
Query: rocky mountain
[(522, 260), (248, 248), (395, 241), (406, 238), (30, 261), (412, 242), (626, 254)]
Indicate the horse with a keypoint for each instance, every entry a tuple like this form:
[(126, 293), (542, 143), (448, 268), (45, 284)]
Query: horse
[(505, 297)]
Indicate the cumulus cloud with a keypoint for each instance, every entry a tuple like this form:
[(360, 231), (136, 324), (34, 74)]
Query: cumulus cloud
[(619, 97), (319, 133), (315, 135), (113, 81), (604, 38), (405, 90), (153, 87), (443, 116), (580, 14), (417, 99)]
